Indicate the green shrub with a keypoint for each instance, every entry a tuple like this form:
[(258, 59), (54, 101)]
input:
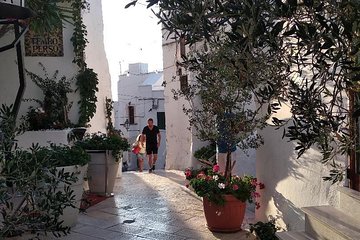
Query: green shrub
[(100, 141), (63, 155), (264, 231)]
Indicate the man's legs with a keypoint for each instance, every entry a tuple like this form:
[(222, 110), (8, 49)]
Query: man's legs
[(154, 161), (150, 160)]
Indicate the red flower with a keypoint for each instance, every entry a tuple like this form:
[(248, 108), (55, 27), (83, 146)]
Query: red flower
[(188, 173), (235, 187), (187, 185), (216, 168), (208, 178), (257, 205), (261, 185)]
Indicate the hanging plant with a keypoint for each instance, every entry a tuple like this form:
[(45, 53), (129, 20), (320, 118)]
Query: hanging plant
[(87, 79), (87, 86), (48, 14)]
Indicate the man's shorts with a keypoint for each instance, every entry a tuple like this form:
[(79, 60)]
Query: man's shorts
[(151, 149)]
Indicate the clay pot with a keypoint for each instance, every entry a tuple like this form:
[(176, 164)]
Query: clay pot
[(226, 218)]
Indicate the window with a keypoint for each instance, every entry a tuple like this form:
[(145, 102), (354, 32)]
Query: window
[(161, 120), (131, 114)]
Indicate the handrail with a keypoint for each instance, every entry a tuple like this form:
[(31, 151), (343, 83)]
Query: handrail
[(17, 39)]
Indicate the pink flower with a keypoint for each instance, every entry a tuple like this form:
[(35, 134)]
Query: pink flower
[(216, 168), (188, 173), (235, 187), (201, 175), (254, 182)]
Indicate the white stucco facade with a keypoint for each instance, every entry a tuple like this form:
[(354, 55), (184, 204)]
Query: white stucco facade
[(181, 143), (290, 182), (143, 92), (178, 137), (95, 58), (10, 77)]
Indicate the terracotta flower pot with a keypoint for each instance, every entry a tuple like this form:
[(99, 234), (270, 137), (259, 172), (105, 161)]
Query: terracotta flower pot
[(227, 218)]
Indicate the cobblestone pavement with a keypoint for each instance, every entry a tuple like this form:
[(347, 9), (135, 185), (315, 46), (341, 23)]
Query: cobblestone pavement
[(149, 206)]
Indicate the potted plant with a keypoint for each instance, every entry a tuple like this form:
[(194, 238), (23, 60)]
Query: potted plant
[(73, 161), (264, 230), (36, 195), (224, 199), (106, 153), (53, 109)]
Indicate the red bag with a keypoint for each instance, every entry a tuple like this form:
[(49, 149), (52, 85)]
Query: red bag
[(135, 149)]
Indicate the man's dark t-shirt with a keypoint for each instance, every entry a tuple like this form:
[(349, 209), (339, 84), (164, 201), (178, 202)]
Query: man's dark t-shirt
[(151, 135)]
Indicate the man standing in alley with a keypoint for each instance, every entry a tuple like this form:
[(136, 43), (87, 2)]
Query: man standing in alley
[(152, 136)]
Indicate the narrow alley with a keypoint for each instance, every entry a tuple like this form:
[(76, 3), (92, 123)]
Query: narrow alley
[(149, 206)]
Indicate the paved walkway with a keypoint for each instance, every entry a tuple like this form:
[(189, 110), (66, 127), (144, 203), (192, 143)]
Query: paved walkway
[(149, 206)]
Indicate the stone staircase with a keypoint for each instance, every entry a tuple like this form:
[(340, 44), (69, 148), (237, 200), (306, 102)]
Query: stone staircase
[(330, 223)]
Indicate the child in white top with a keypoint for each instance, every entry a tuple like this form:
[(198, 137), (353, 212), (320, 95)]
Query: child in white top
[(141, 155)]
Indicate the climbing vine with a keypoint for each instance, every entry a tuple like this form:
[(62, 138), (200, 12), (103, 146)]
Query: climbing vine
[(86, 80), (109, 108)]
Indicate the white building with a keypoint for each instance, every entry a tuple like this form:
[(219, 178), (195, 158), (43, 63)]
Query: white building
[(140, 96), (181, 140), (290, 183), (95, 59)]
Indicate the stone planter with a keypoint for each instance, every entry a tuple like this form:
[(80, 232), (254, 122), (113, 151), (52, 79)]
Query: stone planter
[(70, 214), (102, 172), (227, 218)]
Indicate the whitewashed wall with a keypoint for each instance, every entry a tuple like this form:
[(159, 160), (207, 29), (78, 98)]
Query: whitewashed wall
[(178, 138), (290, 183), (96, 59), (9, 77), (181, 143)]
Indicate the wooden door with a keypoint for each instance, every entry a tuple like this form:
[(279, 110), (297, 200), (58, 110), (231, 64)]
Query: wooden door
[(354, 166)]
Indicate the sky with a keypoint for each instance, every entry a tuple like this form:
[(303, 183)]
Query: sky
[(130, 35)]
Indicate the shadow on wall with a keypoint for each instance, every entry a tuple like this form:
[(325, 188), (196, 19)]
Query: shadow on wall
[(293, 213), (290, 183), (275, 162)]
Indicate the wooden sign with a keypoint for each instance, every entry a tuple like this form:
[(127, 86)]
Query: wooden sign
[(48, 44)]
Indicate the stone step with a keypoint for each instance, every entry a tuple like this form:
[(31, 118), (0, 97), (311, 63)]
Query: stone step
[(294, 236), (327, 222), (349, 202)]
